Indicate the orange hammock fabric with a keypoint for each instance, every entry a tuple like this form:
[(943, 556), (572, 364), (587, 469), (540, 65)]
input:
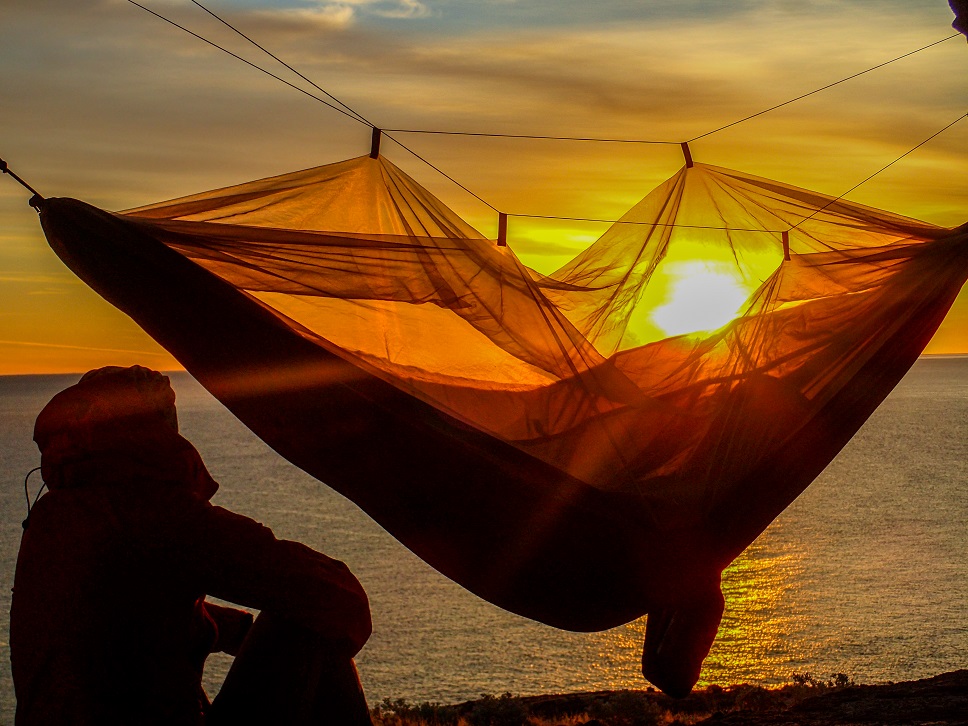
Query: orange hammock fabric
[(582, 447)]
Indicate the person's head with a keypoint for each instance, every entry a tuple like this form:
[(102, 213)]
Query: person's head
[(106, 399), (116, 424)]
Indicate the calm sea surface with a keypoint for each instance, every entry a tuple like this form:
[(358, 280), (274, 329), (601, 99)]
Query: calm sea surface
[(866, 573)]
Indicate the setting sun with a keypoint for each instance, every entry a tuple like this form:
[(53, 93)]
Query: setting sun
[(702, 297), (700, 285)]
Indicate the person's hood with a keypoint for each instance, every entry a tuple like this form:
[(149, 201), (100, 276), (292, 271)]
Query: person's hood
[(117, 426)]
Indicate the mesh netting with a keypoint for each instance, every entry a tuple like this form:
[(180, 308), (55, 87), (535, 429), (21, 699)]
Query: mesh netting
[(612, 368), (580, 447)]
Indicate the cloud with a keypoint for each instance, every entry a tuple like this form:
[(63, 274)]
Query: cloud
[(328, 16), (404, 9), (339, 14)]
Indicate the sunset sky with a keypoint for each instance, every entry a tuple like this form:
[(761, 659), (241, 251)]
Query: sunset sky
[(103, 102)]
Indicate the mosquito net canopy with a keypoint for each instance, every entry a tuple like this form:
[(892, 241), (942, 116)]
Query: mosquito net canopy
[(581, 447)]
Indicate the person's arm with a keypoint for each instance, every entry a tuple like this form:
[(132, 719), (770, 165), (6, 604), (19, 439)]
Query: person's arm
[(241, 561)]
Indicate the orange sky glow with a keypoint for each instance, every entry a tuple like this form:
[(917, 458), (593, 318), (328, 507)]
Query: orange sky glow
[(107, 104)]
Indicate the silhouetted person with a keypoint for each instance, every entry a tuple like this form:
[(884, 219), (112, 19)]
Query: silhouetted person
[(109, 623)]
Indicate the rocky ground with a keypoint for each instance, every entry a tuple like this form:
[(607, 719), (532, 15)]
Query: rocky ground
[(942, 699), (939, 700)]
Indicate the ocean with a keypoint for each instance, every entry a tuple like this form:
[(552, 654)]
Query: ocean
[(865, 574)]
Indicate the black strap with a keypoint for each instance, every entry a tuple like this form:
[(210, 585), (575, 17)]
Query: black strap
[(37, 200)]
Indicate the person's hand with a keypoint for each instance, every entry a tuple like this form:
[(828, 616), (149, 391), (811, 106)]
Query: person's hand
[(232, 625)]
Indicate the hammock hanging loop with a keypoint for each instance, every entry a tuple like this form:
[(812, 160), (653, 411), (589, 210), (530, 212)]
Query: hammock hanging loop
[(375, 143), (502, 229), (687, 155)]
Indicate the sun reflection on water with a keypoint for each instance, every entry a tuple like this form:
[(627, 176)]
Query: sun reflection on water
[(760, 639)]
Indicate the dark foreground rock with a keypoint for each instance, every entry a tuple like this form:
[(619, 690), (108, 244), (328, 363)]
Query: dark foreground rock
[(933, 701), (939, 700)]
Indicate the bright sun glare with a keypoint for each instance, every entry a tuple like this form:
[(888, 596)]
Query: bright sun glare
[(702, 297)]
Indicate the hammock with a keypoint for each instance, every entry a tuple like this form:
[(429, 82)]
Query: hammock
[(572, 447)]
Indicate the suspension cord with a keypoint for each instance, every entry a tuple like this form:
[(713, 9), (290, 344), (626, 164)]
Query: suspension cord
[(36, 199), (822, 88), (7, 170), (351, 113), (442, 172), (694, 138), (883, 168), (359, 117), (595, 139), (644, 224), (248, 62)]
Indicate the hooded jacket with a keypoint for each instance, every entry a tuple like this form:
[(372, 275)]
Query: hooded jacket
[(116, 558)]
